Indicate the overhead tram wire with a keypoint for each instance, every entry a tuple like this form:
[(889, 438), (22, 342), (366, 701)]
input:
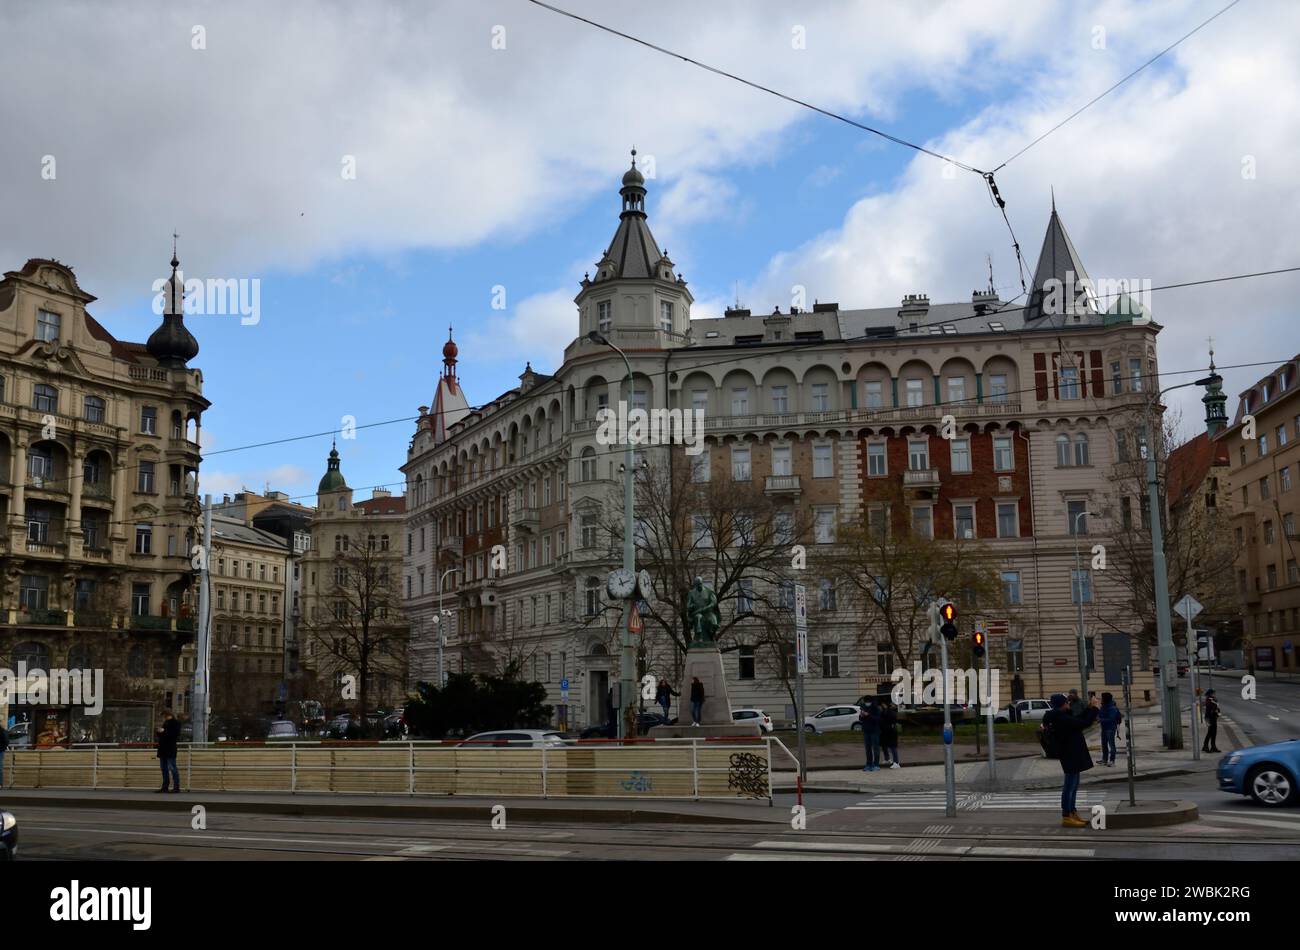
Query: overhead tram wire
[(1095, 99)]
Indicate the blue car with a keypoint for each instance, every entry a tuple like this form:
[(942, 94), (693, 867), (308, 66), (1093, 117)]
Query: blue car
[(1270, 774)]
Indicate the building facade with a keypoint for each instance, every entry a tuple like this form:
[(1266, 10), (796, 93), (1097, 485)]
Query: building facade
[(351, 603), (977, 420), (1262, 449), (99, 455)]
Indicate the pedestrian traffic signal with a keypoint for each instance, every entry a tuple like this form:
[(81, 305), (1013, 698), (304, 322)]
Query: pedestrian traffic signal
[(948, 616), (977, 643)]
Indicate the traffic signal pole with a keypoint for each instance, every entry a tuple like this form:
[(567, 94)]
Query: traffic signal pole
[(949, 769)]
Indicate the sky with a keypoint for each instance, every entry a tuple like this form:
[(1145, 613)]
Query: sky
[(386, 170)]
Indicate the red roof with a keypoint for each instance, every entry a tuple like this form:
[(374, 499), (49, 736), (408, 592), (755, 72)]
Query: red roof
[(1190, 464), (395, 505)]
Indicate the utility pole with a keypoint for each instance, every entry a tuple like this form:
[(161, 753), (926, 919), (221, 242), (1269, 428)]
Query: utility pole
[(439, 623), (203, 648), (801, 667), (1078, 595), (949, 768)]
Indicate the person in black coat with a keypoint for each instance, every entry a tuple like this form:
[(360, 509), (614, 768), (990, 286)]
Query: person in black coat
[(1211, 743), (697, 700), (1071, 749), (168, 735), (889, 734)]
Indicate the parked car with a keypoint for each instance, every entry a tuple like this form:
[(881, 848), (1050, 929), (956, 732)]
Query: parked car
[(833, 719), (748, 716), (342, 727), (1270, 774), (517, 739), (20, 735), (283, 729), (395, 726), (8, 836), (645, 721), (1031, 710)]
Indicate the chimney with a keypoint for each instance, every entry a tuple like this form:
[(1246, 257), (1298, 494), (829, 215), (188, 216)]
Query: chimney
[(381, 493)]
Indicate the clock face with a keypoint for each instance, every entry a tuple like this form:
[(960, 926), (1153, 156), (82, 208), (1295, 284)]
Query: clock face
[(621, 584), (644, 586)]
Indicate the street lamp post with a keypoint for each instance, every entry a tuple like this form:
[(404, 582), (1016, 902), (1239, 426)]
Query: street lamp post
[(1078, 584), (442, 636), (627, 657), (1169, 701)]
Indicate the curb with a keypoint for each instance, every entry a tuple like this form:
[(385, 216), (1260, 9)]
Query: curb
[(1151, 814), (520, 812)]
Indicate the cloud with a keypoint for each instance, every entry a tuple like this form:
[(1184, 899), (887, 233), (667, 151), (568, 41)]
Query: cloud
[(292, 479)]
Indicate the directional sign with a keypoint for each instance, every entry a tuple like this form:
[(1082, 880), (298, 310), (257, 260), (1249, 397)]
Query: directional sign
[(634, 624), (801, 649), (800, 608), (1188, 608)]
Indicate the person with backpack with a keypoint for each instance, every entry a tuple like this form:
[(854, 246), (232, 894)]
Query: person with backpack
[(889, 734), (1062, 738), (869, 723), (1211, 743), (1110, 718)]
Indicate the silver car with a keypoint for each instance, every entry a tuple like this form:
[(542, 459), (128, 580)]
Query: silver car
[(516, 739)]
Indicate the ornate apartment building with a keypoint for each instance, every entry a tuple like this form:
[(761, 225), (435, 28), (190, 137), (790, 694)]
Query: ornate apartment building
[(839, 415), (1264, 471), (99, 460), (351, 596)]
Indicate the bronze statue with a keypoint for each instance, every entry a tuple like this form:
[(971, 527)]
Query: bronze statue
[(702, 614)]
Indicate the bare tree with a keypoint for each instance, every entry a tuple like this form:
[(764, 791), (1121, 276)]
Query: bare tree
[(359, 626)]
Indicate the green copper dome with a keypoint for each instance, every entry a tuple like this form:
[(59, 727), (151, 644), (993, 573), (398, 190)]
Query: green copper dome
[(333, 479)]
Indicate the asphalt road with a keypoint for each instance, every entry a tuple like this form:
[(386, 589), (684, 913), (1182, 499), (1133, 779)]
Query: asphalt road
[(882, 827), (1272, 716)]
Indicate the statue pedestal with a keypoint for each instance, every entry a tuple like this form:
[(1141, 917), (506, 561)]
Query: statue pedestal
[(715, 718)]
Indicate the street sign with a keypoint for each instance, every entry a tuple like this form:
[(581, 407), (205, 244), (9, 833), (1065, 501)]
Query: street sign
[(800, 608), (800, 629), (634, 624), (564, 684), (1188, 608)]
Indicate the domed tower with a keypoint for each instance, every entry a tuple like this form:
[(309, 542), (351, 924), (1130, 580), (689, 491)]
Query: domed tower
[(635, 286), (333, 494), (172, 345), (1216, 403)]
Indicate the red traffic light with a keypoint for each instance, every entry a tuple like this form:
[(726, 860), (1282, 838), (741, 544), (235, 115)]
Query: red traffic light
[(948, 612), (979, 638)]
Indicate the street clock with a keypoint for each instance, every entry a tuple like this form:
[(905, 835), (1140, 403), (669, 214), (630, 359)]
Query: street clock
[(621, 584)]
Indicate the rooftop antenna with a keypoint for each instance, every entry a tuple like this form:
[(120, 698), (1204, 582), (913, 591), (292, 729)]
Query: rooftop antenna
[(989, 258)]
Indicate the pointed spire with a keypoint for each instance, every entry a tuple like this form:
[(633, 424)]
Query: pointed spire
[(449, 354), (1061, 286), (172, 345), (1216, 402)]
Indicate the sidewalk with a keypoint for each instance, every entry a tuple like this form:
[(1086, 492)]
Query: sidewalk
[(1035, 771)]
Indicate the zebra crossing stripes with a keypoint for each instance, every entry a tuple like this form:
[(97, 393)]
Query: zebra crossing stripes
[(971, 801)]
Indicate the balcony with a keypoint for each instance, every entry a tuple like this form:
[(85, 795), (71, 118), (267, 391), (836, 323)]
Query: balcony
[(921, 478), (44, 617), (101, 491), (92, 618), (455, 546), (146, 622), (782, 485), (525, 519)]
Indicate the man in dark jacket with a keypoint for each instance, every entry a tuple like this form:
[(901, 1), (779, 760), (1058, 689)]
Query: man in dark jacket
[(1072, 750), (869, 723), (697, 700), (168, 735), (664, 696), (889, 734), (1211, 743)]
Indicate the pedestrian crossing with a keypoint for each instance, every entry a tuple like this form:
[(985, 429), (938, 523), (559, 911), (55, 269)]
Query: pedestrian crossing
[(972, 801), (918, 849)]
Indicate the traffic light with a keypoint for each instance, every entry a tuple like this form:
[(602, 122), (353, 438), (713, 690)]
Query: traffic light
[(977, 644), (948, 614), (932, 614)]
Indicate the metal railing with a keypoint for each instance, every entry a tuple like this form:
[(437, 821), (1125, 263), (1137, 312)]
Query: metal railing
[(727, 769)]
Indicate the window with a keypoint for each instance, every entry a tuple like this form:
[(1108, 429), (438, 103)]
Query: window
[(884, 659), (964, 521), (34, 592), (1011, 587), (828, 594), (587, 465), (786, 597), (1284, 479), (144, 478), (918, 454), (1281, 436), (740, 464), (780, 399), (140, 600), (744, 596), (1008, 519), (1263, 488), (998, 387), (923, 521), (1015, 656), (1272, 578), (604, 315), (823, 467), (700, 532), (589, 531), (783, 527), (591, 601), (1063, 453), (1121, 447), (740, 401), (700, 467), (746, 662), (916, 392), (1081, 586), (1116, 378), (830, 660), (1076, 515), (873, 396), (1003, 458), (1081, 449), (40, 463), (824, 525), (821, 400), (1288, 526), (640, 400), (1135, 375), (781, 460), (878, 520), (1263, 445), (148, 420), (45, 398), (1069, 382), (960, 451), (665, 316), (876, 465), (956, 389), (47, 326), (93, 409), (700, 400)]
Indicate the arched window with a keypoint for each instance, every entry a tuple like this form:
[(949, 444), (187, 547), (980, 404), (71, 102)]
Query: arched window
[(81, 657), (1062, 449), (587, 465), (33, 654), (45, 398), (94, 409), (1081, 449), (592, 594)]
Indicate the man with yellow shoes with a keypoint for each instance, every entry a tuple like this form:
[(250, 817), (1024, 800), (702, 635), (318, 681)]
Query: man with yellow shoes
[(1063, 739)]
